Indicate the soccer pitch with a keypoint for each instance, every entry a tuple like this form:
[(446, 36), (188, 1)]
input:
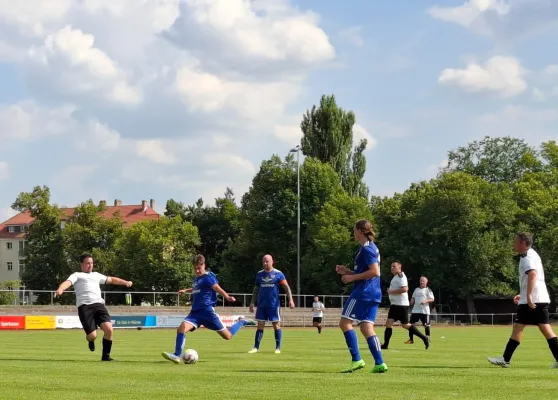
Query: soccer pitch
[(58, 365)]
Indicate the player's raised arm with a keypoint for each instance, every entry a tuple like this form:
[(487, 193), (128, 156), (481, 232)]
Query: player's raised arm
[(63, 287), (112, 280)]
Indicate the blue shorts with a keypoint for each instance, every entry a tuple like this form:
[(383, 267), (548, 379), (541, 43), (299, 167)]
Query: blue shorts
[(268, 314), (360, 311), (208, 318)]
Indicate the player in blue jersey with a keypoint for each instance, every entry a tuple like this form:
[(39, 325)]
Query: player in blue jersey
[(365, 298), (266, 291), (204, 296)]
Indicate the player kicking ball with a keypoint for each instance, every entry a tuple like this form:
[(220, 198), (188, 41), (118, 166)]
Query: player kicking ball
[(204, 297)]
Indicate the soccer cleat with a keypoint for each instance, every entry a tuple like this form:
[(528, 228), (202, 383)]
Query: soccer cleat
[(277, 351), (384, 347), (379, 369), (92, 345), (555, 365), (427, 343), (171, 357), (248, 322), (409, 342), (107, 358), (499, 361), (355, 365), (254, 350)]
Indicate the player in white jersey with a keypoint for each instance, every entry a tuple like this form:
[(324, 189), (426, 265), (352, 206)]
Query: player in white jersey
[(91, 305), (420, 300), (399, 308), (532, 302), (317, 313)]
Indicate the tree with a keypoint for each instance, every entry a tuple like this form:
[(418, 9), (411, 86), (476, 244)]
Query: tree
[(328, 136), (269, 217), (9, 298), (157, 255), (502, 159), (45, 265), (332, 242), (87, 230)]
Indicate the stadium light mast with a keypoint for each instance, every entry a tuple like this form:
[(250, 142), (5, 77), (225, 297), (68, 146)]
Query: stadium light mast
[(297, 151)]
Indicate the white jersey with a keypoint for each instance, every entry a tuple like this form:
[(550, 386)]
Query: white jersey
[(397, 282), (87, 287), (318, 309), (420, 295), (532, 261)]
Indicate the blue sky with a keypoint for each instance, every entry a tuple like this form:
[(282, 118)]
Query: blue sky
[(141, 99)]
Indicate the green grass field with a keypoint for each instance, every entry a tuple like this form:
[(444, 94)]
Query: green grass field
[(58, 365)]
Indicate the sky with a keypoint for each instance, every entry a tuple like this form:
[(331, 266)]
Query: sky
[(158, 99)]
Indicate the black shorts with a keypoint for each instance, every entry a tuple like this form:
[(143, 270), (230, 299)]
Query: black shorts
[(92, 316), (317, 319), (399, 313), (424, 318), (529, 316)]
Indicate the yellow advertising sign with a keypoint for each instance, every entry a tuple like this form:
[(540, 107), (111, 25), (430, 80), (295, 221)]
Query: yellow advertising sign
[(40, 322)]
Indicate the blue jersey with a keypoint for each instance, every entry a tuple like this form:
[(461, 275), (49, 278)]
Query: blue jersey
[(203, 295), (369, 289), (268, 283)]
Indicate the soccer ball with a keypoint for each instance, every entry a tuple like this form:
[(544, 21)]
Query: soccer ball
[(190, 356)]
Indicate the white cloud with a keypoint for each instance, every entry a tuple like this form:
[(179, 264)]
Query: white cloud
[(87, 69), (149, 87), (352, 36), (503, 76), (538, 95), (433, 169), (469, 12), (28, 121), (359, 133), (4, 171)]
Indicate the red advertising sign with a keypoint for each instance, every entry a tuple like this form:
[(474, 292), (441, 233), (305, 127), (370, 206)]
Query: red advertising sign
[(9, 322)]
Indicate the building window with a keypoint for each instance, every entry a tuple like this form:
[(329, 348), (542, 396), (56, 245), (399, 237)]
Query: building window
[(10, 266), (11, 229), (21, 267), (9, 245)]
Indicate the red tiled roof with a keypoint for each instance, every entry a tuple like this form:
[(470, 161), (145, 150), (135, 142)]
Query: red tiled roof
[(129, 214)]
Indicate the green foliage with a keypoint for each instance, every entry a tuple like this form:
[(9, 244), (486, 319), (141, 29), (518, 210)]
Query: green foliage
[(328, 137), (9, 298), (157, 255)]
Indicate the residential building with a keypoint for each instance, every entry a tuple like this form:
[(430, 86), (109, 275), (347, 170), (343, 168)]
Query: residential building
[(13, 232)]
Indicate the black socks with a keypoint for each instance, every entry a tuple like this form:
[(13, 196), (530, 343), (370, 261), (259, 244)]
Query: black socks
[(387, 336), (553, 345), (510, 348)]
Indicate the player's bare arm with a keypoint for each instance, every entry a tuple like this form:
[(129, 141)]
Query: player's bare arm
[(112, 280), (254, 297), (287, 289), (372, 272), (532, 280), (62, 288), (225, 295), (187, 290), (343, 270)]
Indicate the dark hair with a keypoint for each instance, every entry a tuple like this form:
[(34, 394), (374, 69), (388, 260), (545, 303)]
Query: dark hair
[(199, 259), (366, 228), (397, 262), (526, 238), (84, 257)]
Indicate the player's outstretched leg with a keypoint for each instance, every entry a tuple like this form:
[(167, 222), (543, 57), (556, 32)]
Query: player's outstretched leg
[(227, 334), (511, 346), (180, 342), (352, 343), (410, 341), (107, 341)]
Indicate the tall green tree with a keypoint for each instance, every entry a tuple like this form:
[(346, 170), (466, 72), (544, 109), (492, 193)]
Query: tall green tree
[(9, 298), (328, 136), (157, 255), (45, 265), (500, 159)]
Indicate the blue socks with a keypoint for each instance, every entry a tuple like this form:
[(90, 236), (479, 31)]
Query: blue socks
[(180, 343), (375, 349), (236, 326), (278, 337), (259, 335), (352, 344)]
